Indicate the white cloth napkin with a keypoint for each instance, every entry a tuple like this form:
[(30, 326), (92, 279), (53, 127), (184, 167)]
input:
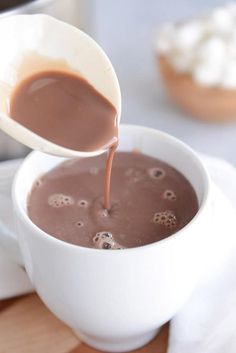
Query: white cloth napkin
[(207, 322), (13, 278)]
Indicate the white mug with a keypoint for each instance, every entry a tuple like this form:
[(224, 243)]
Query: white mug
[(117, 300)]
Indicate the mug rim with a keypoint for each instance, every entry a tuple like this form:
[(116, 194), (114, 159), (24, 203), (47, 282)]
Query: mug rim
[(41, 233)]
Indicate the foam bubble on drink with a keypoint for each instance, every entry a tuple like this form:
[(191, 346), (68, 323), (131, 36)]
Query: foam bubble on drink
[(166, 218), (60, 200), (156, 173), (79, 224), (134, 175), (93, 170), (104, 240), (38, 183), (83, 203), (103, 213), (169, 195)]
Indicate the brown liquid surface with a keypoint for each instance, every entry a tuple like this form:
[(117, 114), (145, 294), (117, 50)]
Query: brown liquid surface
[(150, 200), (65, 109)]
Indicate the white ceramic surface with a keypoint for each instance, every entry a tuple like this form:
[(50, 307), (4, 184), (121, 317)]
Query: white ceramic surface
[(56, 40), (13, 278), (116, 301)]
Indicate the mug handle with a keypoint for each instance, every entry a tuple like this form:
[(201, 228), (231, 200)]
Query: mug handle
[(8, 239)]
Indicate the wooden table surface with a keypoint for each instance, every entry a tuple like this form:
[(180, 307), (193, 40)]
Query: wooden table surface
[(27, 326)]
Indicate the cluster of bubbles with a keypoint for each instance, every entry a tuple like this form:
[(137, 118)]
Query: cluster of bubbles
[(136, 175), (156, 173), (169, 195), (166, 218), (60, 200), (104, 240)]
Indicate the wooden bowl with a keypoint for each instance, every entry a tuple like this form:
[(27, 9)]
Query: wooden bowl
[(205, 103)]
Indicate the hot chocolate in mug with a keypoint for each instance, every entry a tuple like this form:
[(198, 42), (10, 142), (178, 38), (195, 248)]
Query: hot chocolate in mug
[(117, 300)]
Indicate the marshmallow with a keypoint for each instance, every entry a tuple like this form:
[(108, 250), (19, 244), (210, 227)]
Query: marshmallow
[(229, 75), (205, 47)]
